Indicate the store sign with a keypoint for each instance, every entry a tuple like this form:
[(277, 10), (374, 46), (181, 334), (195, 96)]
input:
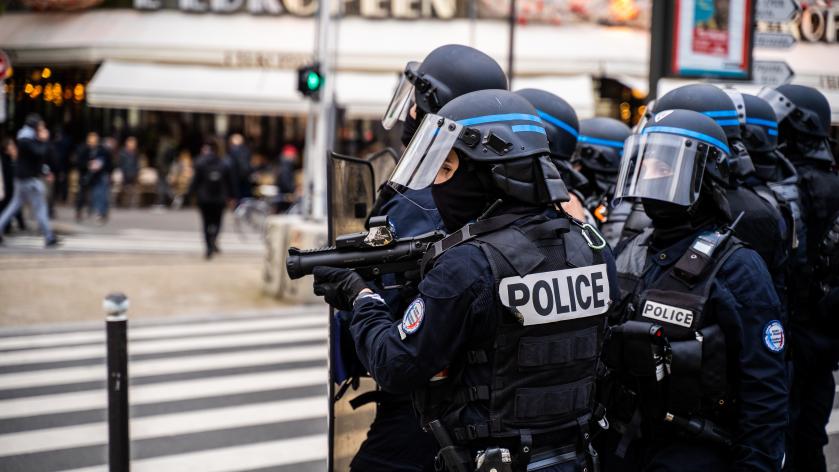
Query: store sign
[(772, 73), (817, 24), (776, 11), (403, 9), (774, 40), (711, 39)]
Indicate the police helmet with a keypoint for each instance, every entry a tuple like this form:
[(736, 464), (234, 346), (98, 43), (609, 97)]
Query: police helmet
[(669, 158), (496, 129), (760, 131), (447, 72), (803, 115), (559, 119), (600, 147), (714, 103)]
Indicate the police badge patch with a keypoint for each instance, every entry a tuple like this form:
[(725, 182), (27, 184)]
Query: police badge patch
[(773, 336), (412, 320)]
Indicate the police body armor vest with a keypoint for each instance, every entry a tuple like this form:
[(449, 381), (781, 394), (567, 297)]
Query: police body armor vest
[(694, 380), (551, 297), (821, 187), (759, 225)]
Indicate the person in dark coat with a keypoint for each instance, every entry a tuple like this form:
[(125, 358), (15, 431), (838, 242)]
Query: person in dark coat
[(212, 187)]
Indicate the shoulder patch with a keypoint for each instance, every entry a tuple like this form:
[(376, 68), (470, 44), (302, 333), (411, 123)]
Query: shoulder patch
[(548, 297), (774, 337), (412, 320)]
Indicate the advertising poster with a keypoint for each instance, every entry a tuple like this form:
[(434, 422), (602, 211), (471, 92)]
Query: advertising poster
[(712, 38)]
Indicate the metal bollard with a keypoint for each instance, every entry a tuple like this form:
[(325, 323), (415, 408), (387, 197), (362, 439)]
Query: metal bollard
[(116, 324)]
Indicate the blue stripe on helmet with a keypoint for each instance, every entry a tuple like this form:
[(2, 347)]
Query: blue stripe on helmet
[(557, 122), (762, 122), (728, 122), (478, 120), (528, 129), (721, 113), (601, 142), (688, 133), (772, 132)]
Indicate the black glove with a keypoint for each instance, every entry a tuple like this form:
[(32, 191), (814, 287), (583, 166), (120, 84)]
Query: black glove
[(339, 287)]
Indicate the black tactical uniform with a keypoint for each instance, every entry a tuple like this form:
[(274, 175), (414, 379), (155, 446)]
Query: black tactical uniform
[(804, 121), (698, 379), (500, 347)]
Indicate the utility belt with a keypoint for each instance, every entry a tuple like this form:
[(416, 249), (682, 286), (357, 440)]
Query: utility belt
[(532, 453)]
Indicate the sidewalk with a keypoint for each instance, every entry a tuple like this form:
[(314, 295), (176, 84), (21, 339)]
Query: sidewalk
[(47, 286)]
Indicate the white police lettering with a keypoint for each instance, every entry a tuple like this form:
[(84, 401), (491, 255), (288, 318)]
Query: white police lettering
[(559, 295), (667, 314)]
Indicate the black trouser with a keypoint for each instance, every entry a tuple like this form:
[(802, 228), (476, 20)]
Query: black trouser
[(811, 400), (211, 214)]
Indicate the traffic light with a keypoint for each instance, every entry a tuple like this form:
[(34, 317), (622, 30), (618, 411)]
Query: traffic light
[(309, 80)]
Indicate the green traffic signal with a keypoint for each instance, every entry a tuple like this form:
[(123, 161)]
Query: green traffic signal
[(313, 80)]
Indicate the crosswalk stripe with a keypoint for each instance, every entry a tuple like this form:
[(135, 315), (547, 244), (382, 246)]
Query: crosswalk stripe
[(165, 425), (169, 391), (152, 332), (113, 243), (163, 366), (152, 346), (229, 459)]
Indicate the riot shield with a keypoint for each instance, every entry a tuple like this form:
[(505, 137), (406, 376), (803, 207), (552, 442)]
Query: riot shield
[(351, 188), (383, 163)]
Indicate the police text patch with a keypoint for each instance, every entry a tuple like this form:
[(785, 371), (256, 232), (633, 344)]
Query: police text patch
[(559, 295), (667, 314)]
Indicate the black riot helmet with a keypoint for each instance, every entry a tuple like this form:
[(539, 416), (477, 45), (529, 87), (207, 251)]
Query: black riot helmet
[(446, 73), (668, 161), (760, 130), (495, 132), (559, 119), (599, 149), (803, 115), (716, 104)]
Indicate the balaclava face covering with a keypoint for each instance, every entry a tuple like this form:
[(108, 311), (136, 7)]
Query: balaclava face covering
[(462, 198), (410, 125), (673, 222)]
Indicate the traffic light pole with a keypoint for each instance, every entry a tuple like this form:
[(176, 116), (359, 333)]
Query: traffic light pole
[(320, 129)]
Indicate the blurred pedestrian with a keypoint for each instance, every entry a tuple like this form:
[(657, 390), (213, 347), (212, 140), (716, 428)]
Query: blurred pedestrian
[(211, 186), (31, 165), (129, 166), (8, 156), (85, 155), (62, 144), (286, 182), (239, 161)]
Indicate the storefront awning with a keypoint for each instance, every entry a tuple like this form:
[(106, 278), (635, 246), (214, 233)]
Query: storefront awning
[(205, 89), (284, 42), (200, 89), (578, 90)]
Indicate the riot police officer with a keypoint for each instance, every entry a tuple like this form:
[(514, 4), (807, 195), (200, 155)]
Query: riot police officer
[(563, 128), (762, 225), (598, 154), (803, 114), (698, 378), (446, 73), (500, 347)]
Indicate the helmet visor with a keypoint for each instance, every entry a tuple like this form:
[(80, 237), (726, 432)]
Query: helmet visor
[(400, 102), (664, 167), (425, 153), (781, 105)]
